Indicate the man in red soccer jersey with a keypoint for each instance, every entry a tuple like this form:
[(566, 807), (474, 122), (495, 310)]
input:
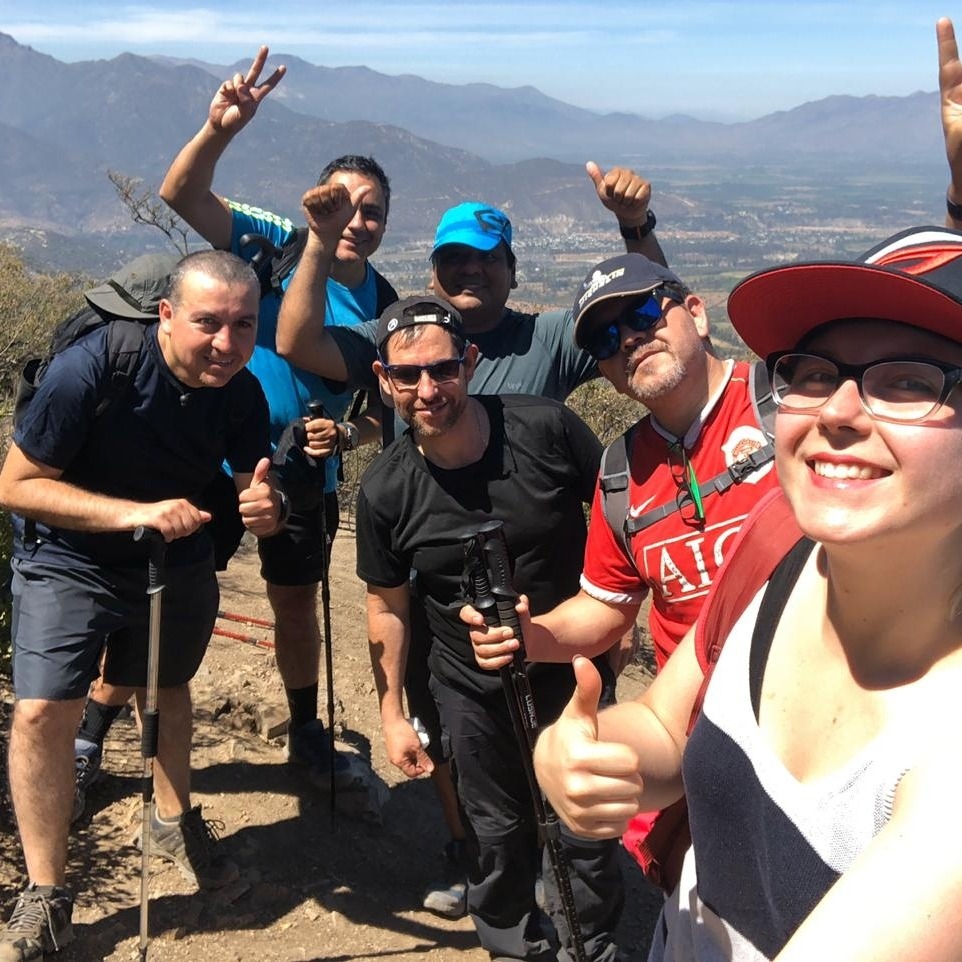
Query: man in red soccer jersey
[(649, 334), (650, 337)]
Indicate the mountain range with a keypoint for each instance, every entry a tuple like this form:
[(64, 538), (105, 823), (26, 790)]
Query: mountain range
[(63, 125)]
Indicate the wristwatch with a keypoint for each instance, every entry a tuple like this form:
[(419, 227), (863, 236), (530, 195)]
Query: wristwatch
[(639, 231), (349, 439)]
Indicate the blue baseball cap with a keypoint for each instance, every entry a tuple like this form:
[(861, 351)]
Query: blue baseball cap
[(473, 225)]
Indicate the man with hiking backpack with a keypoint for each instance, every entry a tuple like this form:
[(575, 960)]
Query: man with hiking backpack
[(293, 563), (93, 458), (676, 487)]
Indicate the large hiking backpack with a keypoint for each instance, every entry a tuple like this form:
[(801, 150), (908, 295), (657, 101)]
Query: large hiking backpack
[(125, 338), (614, 474)]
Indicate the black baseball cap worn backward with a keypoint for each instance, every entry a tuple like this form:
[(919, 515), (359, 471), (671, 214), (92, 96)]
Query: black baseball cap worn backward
[(420, 309)]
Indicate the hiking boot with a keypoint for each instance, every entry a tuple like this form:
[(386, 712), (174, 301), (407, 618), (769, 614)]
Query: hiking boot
[(191, 844), (308, 747), (87, 759), (40, 923), (450, 897)]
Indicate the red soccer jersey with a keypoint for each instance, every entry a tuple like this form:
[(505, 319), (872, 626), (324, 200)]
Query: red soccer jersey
[(677, 557)]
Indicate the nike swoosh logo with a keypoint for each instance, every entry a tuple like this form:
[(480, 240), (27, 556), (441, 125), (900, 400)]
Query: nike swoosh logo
[(637, 512)]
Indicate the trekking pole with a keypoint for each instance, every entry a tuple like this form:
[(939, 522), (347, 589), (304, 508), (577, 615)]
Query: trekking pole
[(316, 409), (490, 588), (150, 717)]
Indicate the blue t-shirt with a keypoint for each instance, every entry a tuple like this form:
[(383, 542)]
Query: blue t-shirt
[(158, 440), (289, 388)]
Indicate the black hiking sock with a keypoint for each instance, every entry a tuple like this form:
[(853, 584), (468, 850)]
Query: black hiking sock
[(96, 721), (302, 704)]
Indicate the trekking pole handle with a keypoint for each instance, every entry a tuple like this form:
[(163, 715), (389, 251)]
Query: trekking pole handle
[(496, 605), (157, 551), (315, 409), (494, 550), (476, 585)]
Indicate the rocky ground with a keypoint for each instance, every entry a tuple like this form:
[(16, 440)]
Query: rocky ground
[(311, 889)]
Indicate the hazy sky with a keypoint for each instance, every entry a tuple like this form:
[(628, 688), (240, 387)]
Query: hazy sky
[(710, 58)]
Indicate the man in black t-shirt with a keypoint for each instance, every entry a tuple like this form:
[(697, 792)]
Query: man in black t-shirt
[(87, 477), (530, 463)]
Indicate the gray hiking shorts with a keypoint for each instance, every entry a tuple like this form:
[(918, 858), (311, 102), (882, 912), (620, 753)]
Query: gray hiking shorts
[(64, 618)]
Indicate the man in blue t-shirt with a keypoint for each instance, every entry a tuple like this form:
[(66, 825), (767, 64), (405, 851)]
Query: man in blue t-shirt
[(293, 562)]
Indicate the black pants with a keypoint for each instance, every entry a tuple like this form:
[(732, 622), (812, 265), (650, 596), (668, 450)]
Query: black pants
[(503, 834)]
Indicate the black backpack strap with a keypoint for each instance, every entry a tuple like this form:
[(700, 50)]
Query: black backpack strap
[(613, 481), (386, 294), (283, 263), (125, 340), (732, 475), (779, 587)]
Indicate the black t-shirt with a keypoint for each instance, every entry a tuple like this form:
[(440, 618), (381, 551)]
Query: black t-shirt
[(158, 440), (538, 470)]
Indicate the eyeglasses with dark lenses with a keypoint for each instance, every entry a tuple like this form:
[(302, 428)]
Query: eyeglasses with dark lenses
[(605, 342), (689, 490), (902, 390), (409, 375)]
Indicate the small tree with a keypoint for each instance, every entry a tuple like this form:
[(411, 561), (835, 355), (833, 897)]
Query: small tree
[(145, 207)]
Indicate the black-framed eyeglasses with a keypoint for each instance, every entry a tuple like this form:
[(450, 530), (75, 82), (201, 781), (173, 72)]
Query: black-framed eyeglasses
[(901, 390), (689, 490), (605, 342), (409, 375)]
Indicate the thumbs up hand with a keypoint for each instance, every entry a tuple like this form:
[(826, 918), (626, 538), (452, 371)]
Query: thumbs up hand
[(625, 193), (593, 785), (259, 503)]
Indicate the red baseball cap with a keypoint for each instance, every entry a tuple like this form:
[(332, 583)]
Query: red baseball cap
[(914, 278)]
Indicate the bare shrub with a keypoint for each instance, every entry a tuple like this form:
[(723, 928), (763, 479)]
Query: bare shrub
[(31, 304)]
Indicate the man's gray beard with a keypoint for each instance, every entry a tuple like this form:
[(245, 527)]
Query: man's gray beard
[(666, 383)]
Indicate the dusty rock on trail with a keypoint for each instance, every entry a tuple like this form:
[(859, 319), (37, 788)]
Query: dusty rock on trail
[(311, 889)]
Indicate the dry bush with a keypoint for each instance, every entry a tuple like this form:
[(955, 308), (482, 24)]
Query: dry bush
[(604, 410), (31, 305)]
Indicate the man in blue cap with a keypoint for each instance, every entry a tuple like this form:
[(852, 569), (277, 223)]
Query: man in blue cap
[(472, 267)]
